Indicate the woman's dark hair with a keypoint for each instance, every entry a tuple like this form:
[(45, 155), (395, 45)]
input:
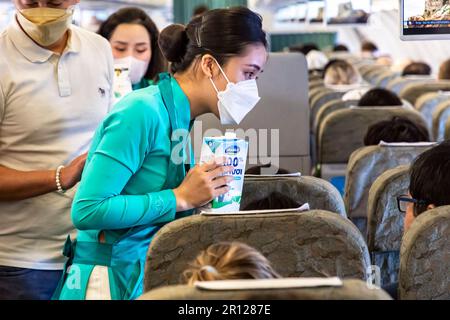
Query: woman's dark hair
[(137, 16), (223, 33), (368, 46), (397, 129), (417, 68), (340, 48), (304, 48), (274, 201), (430, 178), (379, 97)]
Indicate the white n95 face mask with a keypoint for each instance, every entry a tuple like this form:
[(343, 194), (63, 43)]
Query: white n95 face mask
[(45, 25), (138, 68), (237, 100)]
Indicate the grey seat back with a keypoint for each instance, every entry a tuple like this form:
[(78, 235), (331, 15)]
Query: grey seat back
[(315, 91), (372, 72), (426, 104), (398, 84), (320, 99), (323, 112), (412, 91), (385, 221), (368, 68), (425, 257), (343, 131), (328, 108), (366, 165), (351, 289), (320, 194), (384, 78), (372, 77), (440, 116), (316, 83), (313, 243), (317, 119)]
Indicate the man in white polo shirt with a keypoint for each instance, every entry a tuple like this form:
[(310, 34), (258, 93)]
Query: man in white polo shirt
[(55, 88)]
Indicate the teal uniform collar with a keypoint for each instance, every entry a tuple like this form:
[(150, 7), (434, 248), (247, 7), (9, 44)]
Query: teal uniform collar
[(182, 105)]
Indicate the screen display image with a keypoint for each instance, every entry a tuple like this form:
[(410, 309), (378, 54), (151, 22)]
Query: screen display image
[(348, 11), (426, 17)]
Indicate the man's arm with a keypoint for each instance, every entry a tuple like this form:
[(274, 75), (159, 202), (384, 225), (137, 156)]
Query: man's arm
[(19, 185)]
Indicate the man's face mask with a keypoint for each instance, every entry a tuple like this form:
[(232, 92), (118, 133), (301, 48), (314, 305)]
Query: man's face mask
[(237, 100), (45, 25)]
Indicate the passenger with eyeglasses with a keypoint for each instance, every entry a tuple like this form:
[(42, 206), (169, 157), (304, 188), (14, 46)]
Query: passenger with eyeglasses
[(429, 185), (429, 188)]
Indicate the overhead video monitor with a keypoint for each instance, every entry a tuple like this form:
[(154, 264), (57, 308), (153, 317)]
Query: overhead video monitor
[(348, 11), (425, 19), (316, 11)]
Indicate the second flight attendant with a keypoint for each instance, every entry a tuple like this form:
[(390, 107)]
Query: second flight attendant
[(134, 41)]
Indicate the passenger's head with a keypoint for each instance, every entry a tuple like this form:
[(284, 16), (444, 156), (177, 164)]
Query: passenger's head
[(341, 72), (200, 10), (379, 97), (274, 201), (444, 70), (228, 261), (368, 49), (223, 44), (430, 182), (304, 48), (340, 48), (328, 65), (417, 68), (134, 39), (397, 129)]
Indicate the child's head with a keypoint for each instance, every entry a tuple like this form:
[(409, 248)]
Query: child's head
[(228, 261)]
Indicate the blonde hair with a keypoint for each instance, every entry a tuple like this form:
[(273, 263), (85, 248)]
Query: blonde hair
[(341, 73), (227, 261)]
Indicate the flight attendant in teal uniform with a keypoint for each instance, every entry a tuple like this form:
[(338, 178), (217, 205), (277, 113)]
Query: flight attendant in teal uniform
[(133, 182)]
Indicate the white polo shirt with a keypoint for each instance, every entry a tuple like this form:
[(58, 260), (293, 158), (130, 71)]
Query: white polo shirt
[(50, 106)]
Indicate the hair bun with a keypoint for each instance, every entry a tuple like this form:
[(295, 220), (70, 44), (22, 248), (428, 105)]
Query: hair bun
[(173, 42)]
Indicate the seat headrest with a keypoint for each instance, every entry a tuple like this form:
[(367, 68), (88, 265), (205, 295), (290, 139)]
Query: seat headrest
[(260, 284)]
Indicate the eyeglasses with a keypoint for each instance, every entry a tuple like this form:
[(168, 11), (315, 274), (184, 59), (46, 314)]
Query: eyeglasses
[(404, 200)]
